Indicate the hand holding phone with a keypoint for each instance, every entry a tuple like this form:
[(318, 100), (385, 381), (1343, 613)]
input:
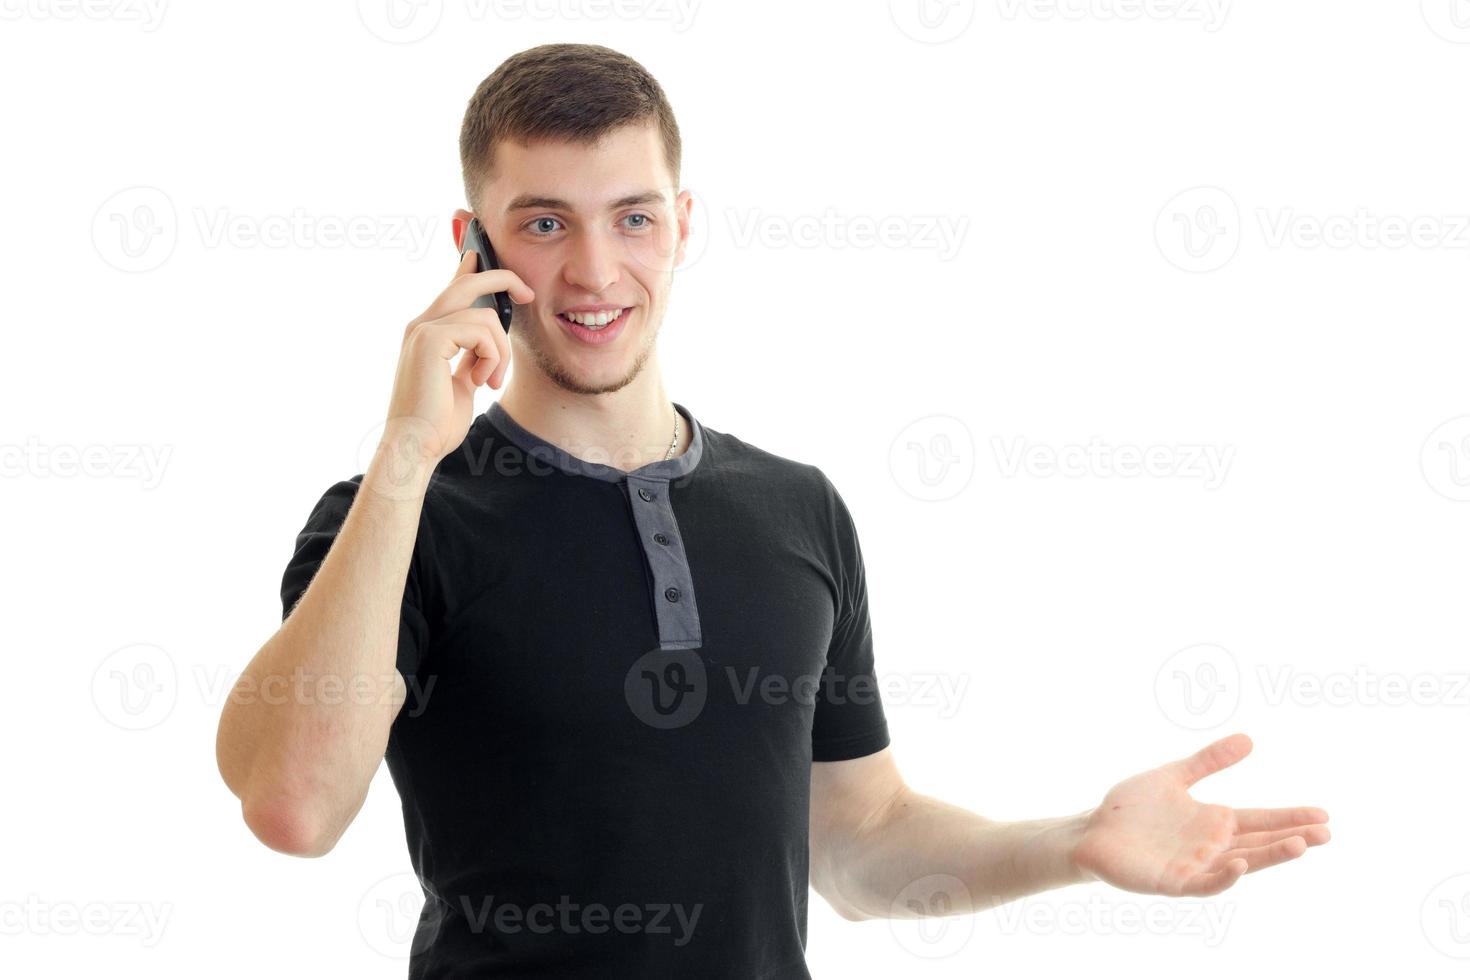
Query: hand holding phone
[(476, 240), (432, 404)]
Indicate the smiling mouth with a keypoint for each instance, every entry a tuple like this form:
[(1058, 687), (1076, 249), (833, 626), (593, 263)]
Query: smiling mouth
[(593, 332), (595, 321)]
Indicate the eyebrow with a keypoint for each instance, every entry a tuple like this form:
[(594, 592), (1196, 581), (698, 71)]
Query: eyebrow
[(525, 202)]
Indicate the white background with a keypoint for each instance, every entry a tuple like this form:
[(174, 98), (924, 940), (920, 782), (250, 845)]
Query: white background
[(1230, 229)]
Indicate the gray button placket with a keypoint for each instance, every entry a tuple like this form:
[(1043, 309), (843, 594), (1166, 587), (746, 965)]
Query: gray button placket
[(673, 586), (648, 490)]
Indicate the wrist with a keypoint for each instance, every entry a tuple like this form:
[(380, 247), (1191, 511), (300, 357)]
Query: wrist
[(404, 461), (1071, 830)]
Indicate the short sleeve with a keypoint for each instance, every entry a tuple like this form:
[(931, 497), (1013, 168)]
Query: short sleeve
[(849, 722), (312, 545)]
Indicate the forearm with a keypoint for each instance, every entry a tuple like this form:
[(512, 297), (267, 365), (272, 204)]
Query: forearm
[(982, 863), (307, 724)]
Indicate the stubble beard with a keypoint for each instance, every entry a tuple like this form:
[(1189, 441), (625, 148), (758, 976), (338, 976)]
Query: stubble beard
[(564, 379)]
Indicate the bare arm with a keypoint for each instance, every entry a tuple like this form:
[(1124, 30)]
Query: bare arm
[(878, 849), (307, 723), (874, 840)]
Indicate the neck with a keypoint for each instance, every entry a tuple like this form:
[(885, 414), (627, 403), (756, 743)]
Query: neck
[(627, 428)]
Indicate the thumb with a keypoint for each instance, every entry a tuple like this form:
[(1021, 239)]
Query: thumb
[(1212, 758)]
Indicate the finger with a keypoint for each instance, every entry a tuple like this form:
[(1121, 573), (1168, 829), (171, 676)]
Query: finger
[(1313, 834), (1279, 818), (471, 369), (475, 370), (503, 341), (495, 373), (464, 371), (1264, 857), (464, 290), (469, 261), (1214, 882), (469, 285), (497, 377), (484, 367), (1212, 758), (469, 330)]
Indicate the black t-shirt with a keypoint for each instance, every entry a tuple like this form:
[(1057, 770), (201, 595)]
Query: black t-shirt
[(617, 685)]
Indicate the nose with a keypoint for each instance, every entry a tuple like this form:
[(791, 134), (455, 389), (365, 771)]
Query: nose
[(592, 263)]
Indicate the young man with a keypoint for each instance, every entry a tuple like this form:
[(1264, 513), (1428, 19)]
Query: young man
[(634, 710)]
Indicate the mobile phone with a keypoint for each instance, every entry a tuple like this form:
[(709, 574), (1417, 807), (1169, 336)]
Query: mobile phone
[(476, 239)]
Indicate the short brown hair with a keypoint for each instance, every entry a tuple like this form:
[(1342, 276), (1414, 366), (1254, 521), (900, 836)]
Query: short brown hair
[(560, 91)]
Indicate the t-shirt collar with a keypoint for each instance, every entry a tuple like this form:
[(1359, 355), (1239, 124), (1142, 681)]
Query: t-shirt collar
[(534, 445)]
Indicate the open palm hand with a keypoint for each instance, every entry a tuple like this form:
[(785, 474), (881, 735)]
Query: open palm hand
[(1150, 836)]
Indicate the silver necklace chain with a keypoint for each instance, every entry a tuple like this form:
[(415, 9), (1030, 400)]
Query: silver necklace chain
[(675, 440)]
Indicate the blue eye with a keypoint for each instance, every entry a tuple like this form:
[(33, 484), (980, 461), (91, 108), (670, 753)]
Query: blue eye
[(540, 229)]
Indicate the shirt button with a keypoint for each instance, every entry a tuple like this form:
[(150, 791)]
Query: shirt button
[(661, 537), (671, 594), (645, 493)]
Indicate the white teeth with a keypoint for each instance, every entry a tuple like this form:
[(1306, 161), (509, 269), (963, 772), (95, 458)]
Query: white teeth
[(594, 319)]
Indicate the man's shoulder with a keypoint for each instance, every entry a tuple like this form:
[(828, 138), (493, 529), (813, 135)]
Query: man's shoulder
[(781, 481), (727, 451)]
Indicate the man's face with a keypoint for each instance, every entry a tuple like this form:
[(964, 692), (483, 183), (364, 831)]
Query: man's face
[(588, 225)]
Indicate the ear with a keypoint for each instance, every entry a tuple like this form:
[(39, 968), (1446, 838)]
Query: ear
[(683, 208), (457, 224)]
